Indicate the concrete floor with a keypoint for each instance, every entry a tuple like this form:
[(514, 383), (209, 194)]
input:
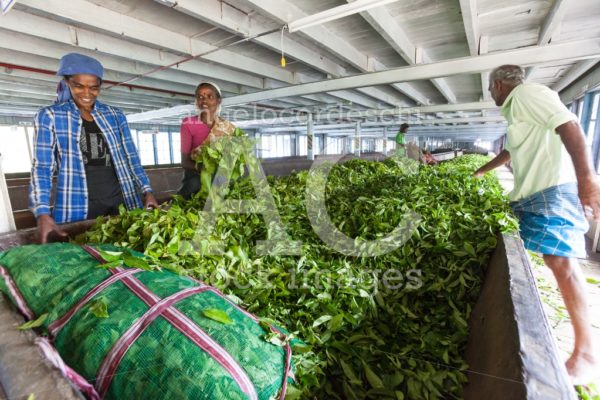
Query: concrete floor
[(553, 304)]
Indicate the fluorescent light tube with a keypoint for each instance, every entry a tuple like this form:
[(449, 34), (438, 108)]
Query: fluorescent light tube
[(168, 3), (335, 13)]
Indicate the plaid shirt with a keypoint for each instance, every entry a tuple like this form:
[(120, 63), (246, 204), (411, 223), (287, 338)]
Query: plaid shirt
[(56, 148)]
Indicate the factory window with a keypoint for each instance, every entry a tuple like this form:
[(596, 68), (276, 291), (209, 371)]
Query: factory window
[(276, 145), (163, 149), (593, 118), (15, 149), (579, 108), (145, 145), (301, 145), (284, 145), (154, 147), (334, 145), (317, 144), (176, 143), (158, 147)]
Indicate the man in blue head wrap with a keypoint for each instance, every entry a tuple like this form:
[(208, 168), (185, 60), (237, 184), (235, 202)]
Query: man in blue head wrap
[(89, 146)]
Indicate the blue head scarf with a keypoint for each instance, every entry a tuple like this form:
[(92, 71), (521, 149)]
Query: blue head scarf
[(73, 64)]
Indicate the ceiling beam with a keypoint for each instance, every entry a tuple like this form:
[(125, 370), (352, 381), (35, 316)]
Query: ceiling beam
[(468, 9), (37, 103), (587, 82), (574, 73), (22, 22), (53, 50), (92, 40), (323, 98), (396, 37), (576, 50), (351, 97), (49, 82), (11, 111), (48, 93), (482, 129), (27, 96), (478, 45), (187, 109), (33, 100), (228, 18), (550, 28), (335, 13), (485, 75), (330, 114), (154, 36), (47, 62), (224, 16), (406, 113), (393, 34), (285, 11), (499, 119)]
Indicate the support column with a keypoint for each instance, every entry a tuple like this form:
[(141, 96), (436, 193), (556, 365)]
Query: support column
[(171, 152), (310, 135), (385, 136), (155, 147), (258, 144), (296, 146), (357, 139)]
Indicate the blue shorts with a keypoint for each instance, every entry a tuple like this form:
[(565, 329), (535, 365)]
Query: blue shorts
[(552, 221)]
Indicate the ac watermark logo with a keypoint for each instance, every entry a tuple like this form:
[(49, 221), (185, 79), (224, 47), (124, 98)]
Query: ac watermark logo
[(237, 152)]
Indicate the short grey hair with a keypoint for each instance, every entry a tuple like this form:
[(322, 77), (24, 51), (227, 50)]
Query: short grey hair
[(508, 73)]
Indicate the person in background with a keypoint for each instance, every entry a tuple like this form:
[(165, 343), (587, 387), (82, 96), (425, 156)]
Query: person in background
[(413, 151), (553, 179), (428, 158), (400, 140), (195, 130), (89, 147)]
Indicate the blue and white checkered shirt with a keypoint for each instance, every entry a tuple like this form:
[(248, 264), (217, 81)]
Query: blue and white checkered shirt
[(56, 148)]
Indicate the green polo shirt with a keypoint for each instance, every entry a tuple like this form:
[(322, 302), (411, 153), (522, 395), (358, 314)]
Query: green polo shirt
[(539, 158), (400, 138)]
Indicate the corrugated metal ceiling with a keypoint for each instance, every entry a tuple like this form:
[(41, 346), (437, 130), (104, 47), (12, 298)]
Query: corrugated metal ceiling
[(438, 30)]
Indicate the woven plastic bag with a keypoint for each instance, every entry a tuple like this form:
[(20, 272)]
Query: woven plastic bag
[(157, 342)]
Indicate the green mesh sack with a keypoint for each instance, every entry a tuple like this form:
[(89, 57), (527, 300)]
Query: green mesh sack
[(155, 340)]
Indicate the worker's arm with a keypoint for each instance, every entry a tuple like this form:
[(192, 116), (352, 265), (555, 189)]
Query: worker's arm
[(500, 159), (48, 231), (40, 186), (588, 188), (187, 151), (187, 162)]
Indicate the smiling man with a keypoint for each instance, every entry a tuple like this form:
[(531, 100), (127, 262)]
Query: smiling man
[(553, 182), (87, 144)]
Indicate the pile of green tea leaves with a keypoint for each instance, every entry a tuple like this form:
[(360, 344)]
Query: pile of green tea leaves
[(209, 158), (387, 327)]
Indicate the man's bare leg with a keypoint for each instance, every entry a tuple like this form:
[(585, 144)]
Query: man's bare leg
[(583, 366)]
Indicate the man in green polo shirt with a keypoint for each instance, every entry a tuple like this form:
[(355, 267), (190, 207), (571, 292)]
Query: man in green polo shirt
[(400, 140), (554, 183)]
